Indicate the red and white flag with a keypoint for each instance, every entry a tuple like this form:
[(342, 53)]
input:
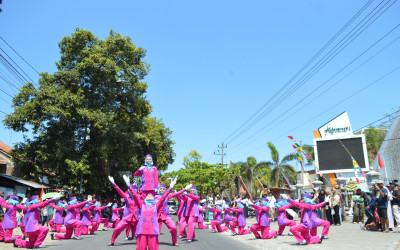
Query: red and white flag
[(381, 165)]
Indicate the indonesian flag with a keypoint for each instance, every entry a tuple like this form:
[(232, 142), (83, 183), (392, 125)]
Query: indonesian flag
[(41, 195), (290, 137), (381, 165)]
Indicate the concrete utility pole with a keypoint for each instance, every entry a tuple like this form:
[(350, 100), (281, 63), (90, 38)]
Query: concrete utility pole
[(222, 152)]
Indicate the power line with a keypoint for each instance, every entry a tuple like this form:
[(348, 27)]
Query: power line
[(300, 71), (342, 69), (18, 66), (335, 105), (313, 71), (19, 55)]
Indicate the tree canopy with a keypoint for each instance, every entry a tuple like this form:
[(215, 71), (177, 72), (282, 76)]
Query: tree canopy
[(91, 116)]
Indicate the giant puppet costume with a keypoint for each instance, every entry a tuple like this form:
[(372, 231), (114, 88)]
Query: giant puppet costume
[(56, 223), (263, 222), (149, 174), (241, 220), (70, 221), (200, 220), (283, 221), (163, 214), (10, 219), (217, 221), (307, 222), (130, 218), (148, 229), (37, 234), (192, 211)]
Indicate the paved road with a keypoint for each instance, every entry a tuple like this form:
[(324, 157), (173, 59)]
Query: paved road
[(205, 240)]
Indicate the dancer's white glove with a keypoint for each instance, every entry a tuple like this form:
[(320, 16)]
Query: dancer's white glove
[(141, 168), (250, 203), (185, 193), (57, 196), (89, 198), (171, 186), (111, 179), (285, 197), (188, 186), (109, 204), (126, 179)]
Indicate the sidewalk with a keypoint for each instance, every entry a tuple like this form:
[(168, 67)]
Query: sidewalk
[(346, 236)]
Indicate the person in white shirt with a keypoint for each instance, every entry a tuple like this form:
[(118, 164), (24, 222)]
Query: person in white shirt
[(271, 201)]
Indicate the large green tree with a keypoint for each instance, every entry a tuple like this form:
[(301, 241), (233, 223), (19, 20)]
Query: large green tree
[(281, 166), (91, 117)]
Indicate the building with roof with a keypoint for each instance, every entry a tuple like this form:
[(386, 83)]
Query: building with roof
[(10, 183), (7, 165)]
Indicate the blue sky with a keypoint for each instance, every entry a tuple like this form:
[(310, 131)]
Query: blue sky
[(215, 63)]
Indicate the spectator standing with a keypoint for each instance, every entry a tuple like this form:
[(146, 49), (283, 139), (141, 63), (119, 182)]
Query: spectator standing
[(381, 193), (358, 207), (335, 205), (271, 201), (328, 207), (343, 203), (321, 198), (395, 202), (44, 215)]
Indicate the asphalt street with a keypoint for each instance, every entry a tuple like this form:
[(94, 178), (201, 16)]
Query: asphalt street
[(204, 240)]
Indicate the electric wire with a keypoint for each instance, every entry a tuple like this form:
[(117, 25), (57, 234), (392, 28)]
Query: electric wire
[(302, 69), (324, 59)]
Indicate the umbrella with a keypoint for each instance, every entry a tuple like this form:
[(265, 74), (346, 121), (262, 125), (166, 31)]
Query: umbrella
[(50, 195)]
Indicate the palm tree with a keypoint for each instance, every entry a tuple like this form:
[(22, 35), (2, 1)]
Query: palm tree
[(252, 168), (281, 167)]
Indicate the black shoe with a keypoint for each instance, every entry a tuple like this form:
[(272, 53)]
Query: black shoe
[(259, 237), (276, 235), (175, 244), (24, 237), (325, 237), (111, 244), (304, 242), (189, 241), (13, 241), (321, 237), (213, 231), (52, 237)]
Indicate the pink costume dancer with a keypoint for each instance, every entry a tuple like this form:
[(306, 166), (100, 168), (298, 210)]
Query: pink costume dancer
[(36, 233), (148, 229), (56, 224), (129, 219), (165, 217), (192, 212), (283, 221), (301, 231), (87, 218), (263, 222), (227, 217), (115, 215), (323, 223), (10, 219), (70, 221), (181, 216), (217, 221), (241, 220), (97, 216), (149, 174), (200, 220)]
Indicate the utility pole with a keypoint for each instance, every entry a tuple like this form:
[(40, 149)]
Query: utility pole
[(302, 169), (222, 152)]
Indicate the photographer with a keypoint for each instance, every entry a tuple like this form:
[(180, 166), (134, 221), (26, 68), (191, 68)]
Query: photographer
[(381, 193)]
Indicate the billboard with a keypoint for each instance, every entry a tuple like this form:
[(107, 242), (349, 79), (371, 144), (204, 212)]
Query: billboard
[(339, 127), (332, 157)]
